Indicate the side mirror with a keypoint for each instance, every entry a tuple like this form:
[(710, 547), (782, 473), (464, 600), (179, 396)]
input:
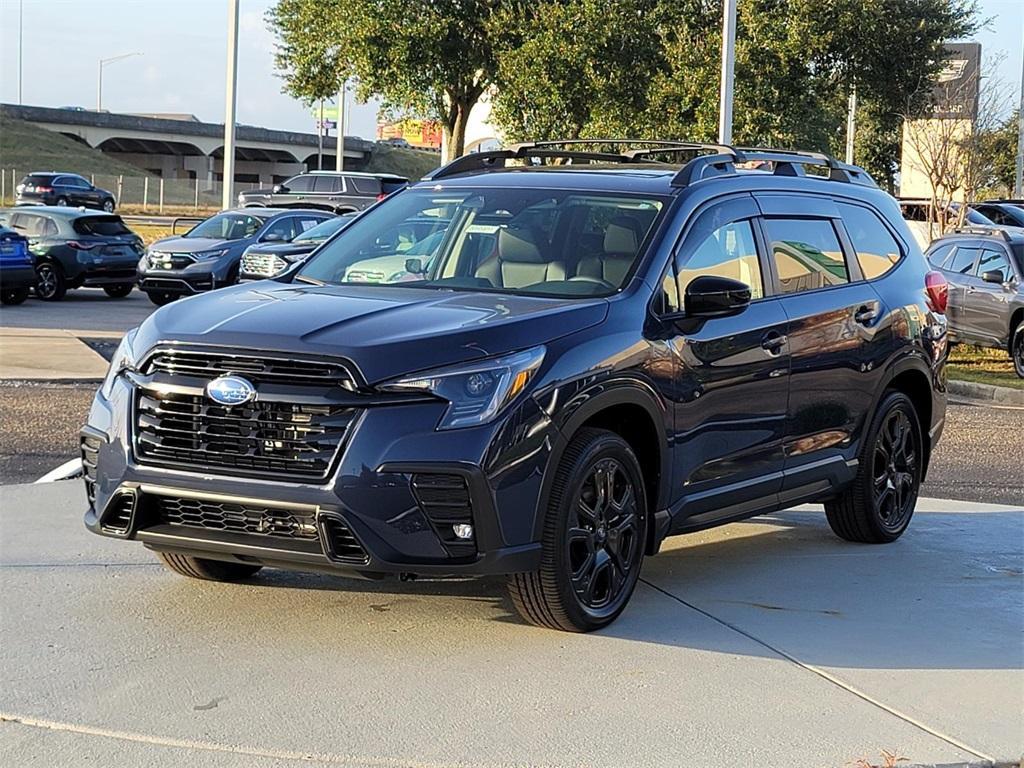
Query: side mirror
[(279, 188), (994, 276), (273, 237), (710, 296), (415, 266)]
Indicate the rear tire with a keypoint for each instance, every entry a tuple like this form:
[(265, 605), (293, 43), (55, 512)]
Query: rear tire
[(13, 296), (108, 205), (160, 298), (878, 505), (208, 570), (62, 202), (50, 283), (118, 291), (1017, 349), (595, 529)]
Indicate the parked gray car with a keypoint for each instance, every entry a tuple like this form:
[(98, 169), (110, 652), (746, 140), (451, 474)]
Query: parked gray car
[(338, 192), (985, 271)]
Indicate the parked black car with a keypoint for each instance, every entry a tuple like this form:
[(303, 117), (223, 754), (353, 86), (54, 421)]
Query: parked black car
[(208, 255), (592, 359), (985, 271), (1006, 213), (75, 248), (17, 275), (62, 189), (339, 192), (262, 260)]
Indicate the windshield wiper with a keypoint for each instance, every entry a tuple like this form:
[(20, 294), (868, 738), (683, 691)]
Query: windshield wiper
[(308, 280)]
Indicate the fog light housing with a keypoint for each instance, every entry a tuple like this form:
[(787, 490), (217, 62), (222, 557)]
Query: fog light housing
[(463, 531)]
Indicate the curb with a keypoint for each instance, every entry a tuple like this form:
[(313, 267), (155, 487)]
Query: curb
[(986, 392)]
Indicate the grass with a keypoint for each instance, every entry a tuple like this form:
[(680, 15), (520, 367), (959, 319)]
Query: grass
[(149, 232), (983, 366), (411, 163)]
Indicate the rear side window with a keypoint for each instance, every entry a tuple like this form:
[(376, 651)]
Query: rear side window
[(387, 186), (106, 226), (363, 186), (963, 260), (728, 251), (807, 254), (877, 250), (937, 256), (31, 225), (994, 261), (326, 184), (38, 180)]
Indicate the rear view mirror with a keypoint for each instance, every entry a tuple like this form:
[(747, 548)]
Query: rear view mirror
[(415, 266), (710, 296), (994, 276)]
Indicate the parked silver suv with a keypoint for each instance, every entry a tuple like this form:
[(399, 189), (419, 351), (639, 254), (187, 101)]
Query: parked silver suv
[(985, 270), (338, 192)]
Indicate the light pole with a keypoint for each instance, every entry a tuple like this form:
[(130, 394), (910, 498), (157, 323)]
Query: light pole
[(728, 66), (1018, 176), (228, 184), (99, 75), (339, 154), (21, 45)]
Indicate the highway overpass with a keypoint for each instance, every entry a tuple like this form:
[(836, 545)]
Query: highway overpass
[(189, 149)]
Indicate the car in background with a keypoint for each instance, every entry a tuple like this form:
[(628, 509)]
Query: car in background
[(208, 256), (336, 191), (16, 273), (76, 248), (984, 267), (62, 189), (1007, 213), (263, 260), (916, 212)]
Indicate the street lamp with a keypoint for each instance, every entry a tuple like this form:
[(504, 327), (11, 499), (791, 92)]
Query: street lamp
[(99, 76)]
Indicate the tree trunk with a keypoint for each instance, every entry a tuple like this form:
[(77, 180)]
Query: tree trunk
[(457, 131)]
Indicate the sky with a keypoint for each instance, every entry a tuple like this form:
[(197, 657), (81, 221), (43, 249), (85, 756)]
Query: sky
[(183, 45)]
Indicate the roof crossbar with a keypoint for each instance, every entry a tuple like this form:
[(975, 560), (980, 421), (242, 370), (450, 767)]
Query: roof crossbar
[(980, 229)]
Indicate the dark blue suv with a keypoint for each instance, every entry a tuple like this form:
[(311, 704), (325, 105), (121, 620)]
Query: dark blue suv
[(601, 347)]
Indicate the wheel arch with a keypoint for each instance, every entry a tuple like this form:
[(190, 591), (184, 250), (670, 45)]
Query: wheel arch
[(636, 414), (1016, 319), (915, 383)]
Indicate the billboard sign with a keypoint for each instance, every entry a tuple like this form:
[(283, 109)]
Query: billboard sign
[(955, 92)]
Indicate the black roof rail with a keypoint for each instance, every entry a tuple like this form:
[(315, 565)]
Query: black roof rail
[(981, 229)]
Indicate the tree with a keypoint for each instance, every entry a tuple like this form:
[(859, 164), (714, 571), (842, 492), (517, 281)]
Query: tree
[(432, 60)]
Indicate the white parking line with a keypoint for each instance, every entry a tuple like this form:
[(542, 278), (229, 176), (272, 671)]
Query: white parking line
[(66, 471)]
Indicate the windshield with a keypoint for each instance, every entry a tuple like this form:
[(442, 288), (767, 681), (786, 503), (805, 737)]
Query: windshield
[(548, 242), (323, 230), (227, 226)]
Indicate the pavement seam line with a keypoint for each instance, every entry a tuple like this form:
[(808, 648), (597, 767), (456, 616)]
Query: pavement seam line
[(828, 676), (211, 746)]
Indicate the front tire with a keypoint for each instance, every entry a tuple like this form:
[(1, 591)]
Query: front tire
[(108, 205), (118, 291), (50, 283), (13, 296), (160, 298), (595, 530), (1017, 349), (877, 507), (208, 570)]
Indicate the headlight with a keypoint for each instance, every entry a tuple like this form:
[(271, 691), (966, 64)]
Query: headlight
[(477, 391), (205, 255), (123, 360)]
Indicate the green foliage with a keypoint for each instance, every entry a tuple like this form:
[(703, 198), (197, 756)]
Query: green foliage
[(308, 50), (1001, 146)]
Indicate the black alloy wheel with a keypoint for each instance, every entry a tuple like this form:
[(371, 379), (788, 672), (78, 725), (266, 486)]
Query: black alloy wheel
[(895, 470), (1017, 350), (50, 282)]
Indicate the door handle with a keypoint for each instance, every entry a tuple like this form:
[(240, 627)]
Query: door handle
[(773, 342), (865, 315)]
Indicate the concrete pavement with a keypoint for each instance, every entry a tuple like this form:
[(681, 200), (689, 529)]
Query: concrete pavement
[(40, 354), (767, 643)]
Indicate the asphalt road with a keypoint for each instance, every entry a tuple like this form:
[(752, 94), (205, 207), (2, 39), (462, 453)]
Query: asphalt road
[(767, 643), (87, 309)]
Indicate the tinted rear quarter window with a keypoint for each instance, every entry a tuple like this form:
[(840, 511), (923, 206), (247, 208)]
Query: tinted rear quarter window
[(937, 255), (992, 261), (38, 179), (807, 254), (963, 260), (877, 250), (326, 184), (363, 186)]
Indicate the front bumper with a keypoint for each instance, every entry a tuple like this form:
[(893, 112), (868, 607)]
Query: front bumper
[(198, 277), (387, 506)]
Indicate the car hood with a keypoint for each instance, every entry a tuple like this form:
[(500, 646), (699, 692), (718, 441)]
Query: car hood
[(385, 332), (189, 244)]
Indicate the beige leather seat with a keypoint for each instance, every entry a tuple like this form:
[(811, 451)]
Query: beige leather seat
[(621, 242), (518, 261)]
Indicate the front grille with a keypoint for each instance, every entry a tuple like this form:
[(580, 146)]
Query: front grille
[(265, 264), (257, 368), (297, 440), (237, 517), (89, 447), (445, 500), (165, 260)]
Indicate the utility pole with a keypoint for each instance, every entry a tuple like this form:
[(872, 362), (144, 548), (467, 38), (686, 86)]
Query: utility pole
[(728, 66), (339, 155), (1018, 179), (227, 197), (851, 125), (99, 75), (21, 45), (320, 139)]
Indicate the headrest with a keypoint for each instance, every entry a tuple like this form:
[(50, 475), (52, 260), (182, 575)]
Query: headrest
[(519, 246), (622, 236)]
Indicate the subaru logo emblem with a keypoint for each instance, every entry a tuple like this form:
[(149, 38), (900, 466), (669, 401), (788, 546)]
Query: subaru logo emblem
[(230, 390)]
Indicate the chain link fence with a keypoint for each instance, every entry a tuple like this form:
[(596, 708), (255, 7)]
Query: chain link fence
[(143, 194)]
